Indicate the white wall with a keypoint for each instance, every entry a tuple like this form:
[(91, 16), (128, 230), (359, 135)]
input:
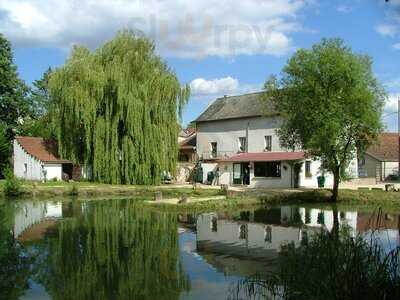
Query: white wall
[(53, 171), (389, 168), (228, 232), (285, 181), (208, 167), (34, 166), (226, 134), (312, 182)]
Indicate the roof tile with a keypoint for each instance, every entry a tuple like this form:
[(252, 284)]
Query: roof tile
[(387, 147), (243, 106), (41, 149)]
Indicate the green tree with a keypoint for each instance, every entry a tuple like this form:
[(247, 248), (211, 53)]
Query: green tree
[(5, 148), (40, 97), (331, 104), (14, 104), (39, 121), (116, 110)]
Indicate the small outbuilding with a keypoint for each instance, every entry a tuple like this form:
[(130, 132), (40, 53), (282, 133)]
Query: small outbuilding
[(36, 158), (381, 160)]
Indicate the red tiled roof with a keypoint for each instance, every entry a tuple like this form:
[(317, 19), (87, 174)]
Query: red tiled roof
[(387, 147), (41, 149), (265, 156)]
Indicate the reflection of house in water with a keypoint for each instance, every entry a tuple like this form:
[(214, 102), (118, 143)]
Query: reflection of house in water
[(33, 219), (320, 218), (241, 247), (252, 240)]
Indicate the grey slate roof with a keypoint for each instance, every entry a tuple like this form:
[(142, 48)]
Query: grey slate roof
[(234, 107)]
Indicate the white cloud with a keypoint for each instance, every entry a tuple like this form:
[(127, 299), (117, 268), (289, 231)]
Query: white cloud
[(344, 9), (393, 84), (387, 29), (179, 27), (391, 103), (396, 46), (389, 116), (201, 86)]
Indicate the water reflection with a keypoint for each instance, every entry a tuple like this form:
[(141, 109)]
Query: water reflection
[(105, 251), (258, 235), (119, 250)]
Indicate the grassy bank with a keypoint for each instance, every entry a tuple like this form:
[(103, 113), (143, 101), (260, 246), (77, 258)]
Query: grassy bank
[(90, 189), (361, 200), (368, 199)]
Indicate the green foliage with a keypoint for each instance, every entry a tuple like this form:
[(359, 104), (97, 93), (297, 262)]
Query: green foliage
[(343, 267), (39, 122), (116, 250), (40, 97), (12, 185), (5, 148), (14, 266), (330, 102), (14, 104), (41, 127), (116, 110), (74, 191)]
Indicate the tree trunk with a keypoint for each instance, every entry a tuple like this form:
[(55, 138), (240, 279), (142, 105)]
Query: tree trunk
[(336, 180), (335, 228)]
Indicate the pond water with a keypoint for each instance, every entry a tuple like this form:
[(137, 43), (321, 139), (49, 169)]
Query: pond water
[(115, 249)]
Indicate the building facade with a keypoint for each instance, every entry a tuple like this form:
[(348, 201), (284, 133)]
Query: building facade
[(381, 160), (36, 159), (237, 140)]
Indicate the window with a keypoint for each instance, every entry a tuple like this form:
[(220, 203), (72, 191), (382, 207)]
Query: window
[(213, 149), (214, 224), (268, 143), (267, 169), (308, 217), (321, 218), (308, 168), (25, 168), (242, 144)]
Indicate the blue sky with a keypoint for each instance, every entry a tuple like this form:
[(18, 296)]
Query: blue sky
[(225, 47)]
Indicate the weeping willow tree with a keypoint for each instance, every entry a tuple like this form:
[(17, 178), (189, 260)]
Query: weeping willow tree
[(114, 251), (116, 111)]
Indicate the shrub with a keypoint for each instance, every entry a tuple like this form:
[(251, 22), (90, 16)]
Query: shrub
[(74, 191), (331, 267), (12, 185)]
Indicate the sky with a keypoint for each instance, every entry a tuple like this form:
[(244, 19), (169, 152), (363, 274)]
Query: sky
[(224, 47)]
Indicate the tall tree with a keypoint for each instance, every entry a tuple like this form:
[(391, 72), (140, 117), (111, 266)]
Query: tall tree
[(40, 97), (13, 101), (5, 148), (116, 110), (38, 123), (331, 104)]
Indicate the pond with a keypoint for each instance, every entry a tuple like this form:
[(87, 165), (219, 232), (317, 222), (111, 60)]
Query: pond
[(116, 249)]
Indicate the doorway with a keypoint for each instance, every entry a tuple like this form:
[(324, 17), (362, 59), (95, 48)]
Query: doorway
[(241, 173)]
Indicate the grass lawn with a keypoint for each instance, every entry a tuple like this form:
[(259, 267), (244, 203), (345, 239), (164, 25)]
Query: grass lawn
[(88, 189)]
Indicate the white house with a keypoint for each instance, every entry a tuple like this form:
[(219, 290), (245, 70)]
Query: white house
[(36, 159), (236, 136)]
